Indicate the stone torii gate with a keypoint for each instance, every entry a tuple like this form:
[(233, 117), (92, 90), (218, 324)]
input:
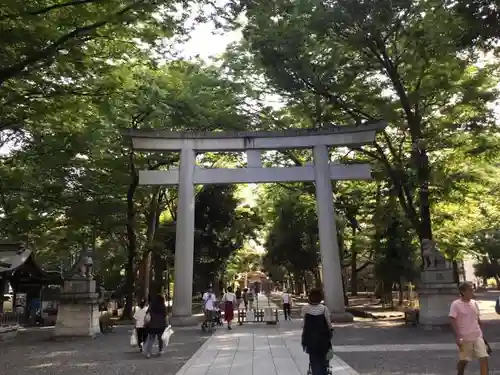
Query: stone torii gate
[(253, 143)]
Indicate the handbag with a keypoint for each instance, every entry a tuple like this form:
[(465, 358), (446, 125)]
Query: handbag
[(329, 355), (167, 334), (133, 338), (488, 347), (147, 317)]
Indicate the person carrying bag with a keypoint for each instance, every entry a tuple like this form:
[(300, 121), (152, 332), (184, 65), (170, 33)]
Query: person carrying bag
[(156, 324), (317, 334), (139, 335)]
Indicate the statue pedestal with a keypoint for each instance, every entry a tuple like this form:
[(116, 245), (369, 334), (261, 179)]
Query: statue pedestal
[(341, 317), (436, 293), (78, 313)]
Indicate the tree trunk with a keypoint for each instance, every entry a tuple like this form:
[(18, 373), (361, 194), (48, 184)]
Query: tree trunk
[(420, 159), (304, 282), (158, 274), (401, 292), (423, 174), (131, 239), (344, 290), (317, 277), (354, 265), (152, 223)]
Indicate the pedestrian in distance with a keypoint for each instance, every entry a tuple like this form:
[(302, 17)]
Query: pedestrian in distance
[(287, 305), (139, 317), (156, 323), (238, 297), (245, 298), (229, 300)]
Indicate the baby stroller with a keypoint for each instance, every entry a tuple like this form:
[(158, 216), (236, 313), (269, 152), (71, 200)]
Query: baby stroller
[(329, 357), (218, 318), (213, 319)]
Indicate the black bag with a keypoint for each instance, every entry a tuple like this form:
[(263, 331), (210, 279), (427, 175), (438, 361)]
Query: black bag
[(488, 347)]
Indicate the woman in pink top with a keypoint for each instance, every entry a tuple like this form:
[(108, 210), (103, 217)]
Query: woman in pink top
[(464, 314)]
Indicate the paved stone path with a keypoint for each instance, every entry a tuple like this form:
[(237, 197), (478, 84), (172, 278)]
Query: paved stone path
[(256, 348)]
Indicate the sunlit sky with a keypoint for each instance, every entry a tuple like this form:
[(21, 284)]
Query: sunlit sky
[(206, 43)]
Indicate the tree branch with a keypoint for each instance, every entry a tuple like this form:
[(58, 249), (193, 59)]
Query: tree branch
[(50, 8), (51, 49)]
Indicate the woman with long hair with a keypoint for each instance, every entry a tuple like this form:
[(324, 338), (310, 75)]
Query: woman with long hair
[(156, 324), (317, 333)]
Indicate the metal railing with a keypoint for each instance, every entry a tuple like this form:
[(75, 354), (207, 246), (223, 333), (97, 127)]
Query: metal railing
[(9, 319), (256, 316)]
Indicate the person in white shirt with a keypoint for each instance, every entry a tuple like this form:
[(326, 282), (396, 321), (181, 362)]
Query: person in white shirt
[(229, 300), (209, 300), (287, 304), (140, 329)]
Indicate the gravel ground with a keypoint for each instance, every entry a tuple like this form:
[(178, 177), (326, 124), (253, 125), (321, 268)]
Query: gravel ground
[(105, 355), (393, 333), (415, 362), (412, 363)]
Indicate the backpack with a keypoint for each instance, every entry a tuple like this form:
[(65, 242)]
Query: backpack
[(209, 298), (497, 306)]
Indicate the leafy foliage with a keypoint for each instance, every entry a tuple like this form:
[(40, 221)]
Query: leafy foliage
[(404, 62)]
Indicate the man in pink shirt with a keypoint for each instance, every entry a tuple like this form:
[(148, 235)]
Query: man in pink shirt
[(464, 314)]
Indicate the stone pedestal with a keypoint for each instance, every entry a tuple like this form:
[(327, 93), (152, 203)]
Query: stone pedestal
[(436, 292), (78, 313), (435, 301), (341, 317)]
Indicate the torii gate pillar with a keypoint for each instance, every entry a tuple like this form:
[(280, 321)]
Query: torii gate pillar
[(328, 244), (184, 243)]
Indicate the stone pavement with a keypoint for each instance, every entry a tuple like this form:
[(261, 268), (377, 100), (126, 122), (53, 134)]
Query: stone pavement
[(256, 348)]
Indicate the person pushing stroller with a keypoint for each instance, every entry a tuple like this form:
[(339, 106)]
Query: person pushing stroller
[(209, 303)]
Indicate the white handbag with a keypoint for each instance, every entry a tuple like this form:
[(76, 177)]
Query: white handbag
[(133, 338), (167, 334)]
